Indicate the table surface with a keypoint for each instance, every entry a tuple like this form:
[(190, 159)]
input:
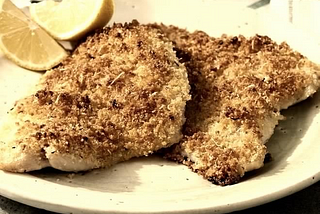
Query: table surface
[(305, 201)]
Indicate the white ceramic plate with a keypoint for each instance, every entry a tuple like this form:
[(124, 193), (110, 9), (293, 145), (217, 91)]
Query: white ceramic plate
[(153, 185)]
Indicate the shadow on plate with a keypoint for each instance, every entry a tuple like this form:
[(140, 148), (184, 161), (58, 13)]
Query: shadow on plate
[(121, 177), (145, 175), (288, 135)]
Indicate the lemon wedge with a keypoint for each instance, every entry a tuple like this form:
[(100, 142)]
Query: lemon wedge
[(71, 19), (24, 42)]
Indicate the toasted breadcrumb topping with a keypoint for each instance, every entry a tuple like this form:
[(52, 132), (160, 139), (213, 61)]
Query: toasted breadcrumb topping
[(238, 87), (122, 93)]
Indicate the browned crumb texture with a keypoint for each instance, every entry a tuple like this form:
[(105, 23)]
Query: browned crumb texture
[(237, 84), (121, 94)]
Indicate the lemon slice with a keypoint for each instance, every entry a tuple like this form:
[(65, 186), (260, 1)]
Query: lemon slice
[(71, 19), (24, 42)]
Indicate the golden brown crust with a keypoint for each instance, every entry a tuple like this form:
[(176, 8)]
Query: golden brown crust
[(238, 86), (121, 94)]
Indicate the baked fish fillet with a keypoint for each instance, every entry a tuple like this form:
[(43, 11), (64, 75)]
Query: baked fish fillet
[(238, 86), (121, 94)]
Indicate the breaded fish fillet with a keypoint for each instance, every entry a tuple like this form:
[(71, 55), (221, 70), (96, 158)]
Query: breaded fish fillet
[(238, 88), (121, 94)]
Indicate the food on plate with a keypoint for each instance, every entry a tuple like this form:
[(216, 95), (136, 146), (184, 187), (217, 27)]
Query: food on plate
[(124, 92), (71, 19), (238, 87), (24, 42), (121, 94)]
